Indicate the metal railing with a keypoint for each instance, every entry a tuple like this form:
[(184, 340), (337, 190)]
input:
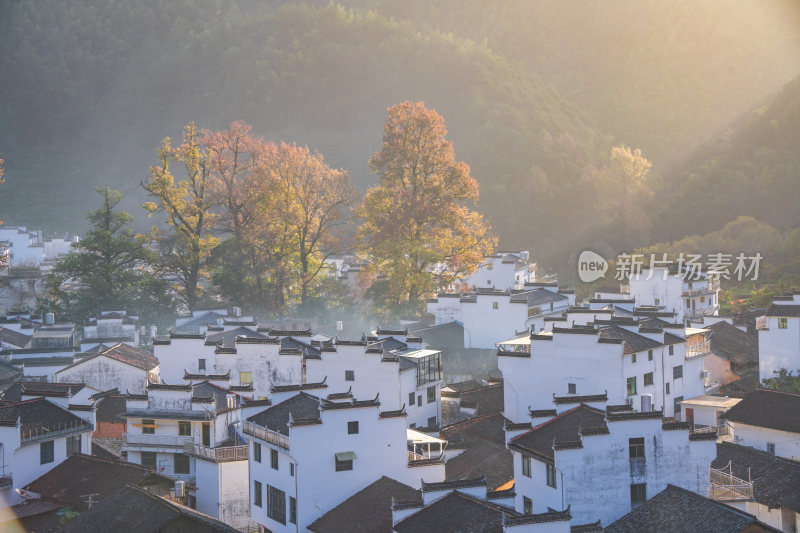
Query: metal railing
[(725, 486), (712, 287), (265, 434), (31, 436), (696, 350), (222, 454), (142, 439), (6, 480)]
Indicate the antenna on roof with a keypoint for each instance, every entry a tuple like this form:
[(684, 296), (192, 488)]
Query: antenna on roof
[(90, 500)]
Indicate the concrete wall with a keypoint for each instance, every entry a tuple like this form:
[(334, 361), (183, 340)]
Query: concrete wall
[(223, 491), (778, 348), (104, 373), (786, 444)]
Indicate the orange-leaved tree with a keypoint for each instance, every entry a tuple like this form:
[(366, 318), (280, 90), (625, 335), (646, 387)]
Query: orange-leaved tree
[(419, 228)]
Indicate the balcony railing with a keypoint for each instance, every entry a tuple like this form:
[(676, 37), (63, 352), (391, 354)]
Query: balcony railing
[(6, 480), (218, 455), (711, 288), (725, 486), (697, 350), (761, 322), (265, 434), (54, 431), (140, 439)]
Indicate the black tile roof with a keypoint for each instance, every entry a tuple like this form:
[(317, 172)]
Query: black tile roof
[(776, 481), (367, 511), (303, 406), (769, 409), (10, 336), (586, 398), (783, 310), (300, 387), (677, 509), (83, 474), (15, 392), (290, 346), (482, 456), (632, 342), (732, 343), (38, 416), (457, 513), (134, 510), (538, 297), (136, 357), (227, 339), (563, 428)]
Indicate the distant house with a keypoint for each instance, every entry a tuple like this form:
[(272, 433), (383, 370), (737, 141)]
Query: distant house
[(503, 270), (676, 509), (734, 356), (120, 367), (110, 327)]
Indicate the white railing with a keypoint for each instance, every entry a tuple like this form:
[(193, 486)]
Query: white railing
[(140, 439), (265, 434), (218, 455), (725, 486), (696, 350), (50, 432)]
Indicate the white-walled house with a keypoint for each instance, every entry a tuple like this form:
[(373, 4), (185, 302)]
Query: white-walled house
[(110, 327), (779, 336), (120, 367), (25, 247), (675, 290), (191, 433), (36, 435), (489, 315), (308, 454), (503, 270), (602, 463), (767, 420), (619, 360)]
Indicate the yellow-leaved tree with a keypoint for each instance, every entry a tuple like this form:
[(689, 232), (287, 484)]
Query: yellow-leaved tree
[(419, 230)]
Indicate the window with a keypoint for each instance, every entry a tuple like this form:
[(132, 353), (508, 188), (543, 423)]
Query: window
[(676, 405), (702, 299), (349, 375), (149, 459), (201, 364), (666, 388), (677, 372), (344, 461), (688, 305), (256, 452), (783, 323), (291, 469), (671, 349), (638, 494), (292, 510), (657, 302), (495, 305), (490, 266), (73, 445), (429, 368), (636, 447), (245, 378), (771, 448), (352, 428), (648, 378), (649, 355), (273, 459), (431, 394), (184, 428), (276, 504), (527, 505), (551, 475), (47, 452), (419, 400), (257, 493), (633, 358), (526, 466), (631, 385), (572, 388), (432, 422), (148, 426), (181, 463), (488, 282), (411, 399)]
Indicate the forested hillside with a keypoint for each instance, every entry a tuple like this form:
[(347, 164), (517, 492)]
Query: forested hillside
[(535, 94)]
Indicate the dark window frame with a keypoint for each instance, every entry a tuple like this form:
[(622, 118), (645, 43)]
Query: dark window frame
[(256, 452), (184, 428), (273, 459), (184, 460), (47, 452), (352, 427), (551, 476), (526, 466), (276, 504), (636, 448)]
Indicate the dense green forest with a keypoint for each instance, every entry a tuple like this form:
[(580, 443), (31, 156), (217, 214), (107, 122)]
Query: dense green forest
[(535, 94)]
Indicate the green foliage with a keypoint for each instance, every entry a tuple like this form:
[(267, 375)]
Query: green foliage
[(784, 380), (109, 269)]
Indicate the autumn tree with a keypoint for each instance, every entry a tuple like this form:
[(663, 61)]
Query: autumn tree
[(418, 226), (188, 205), (313, 197), (109, 268)]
